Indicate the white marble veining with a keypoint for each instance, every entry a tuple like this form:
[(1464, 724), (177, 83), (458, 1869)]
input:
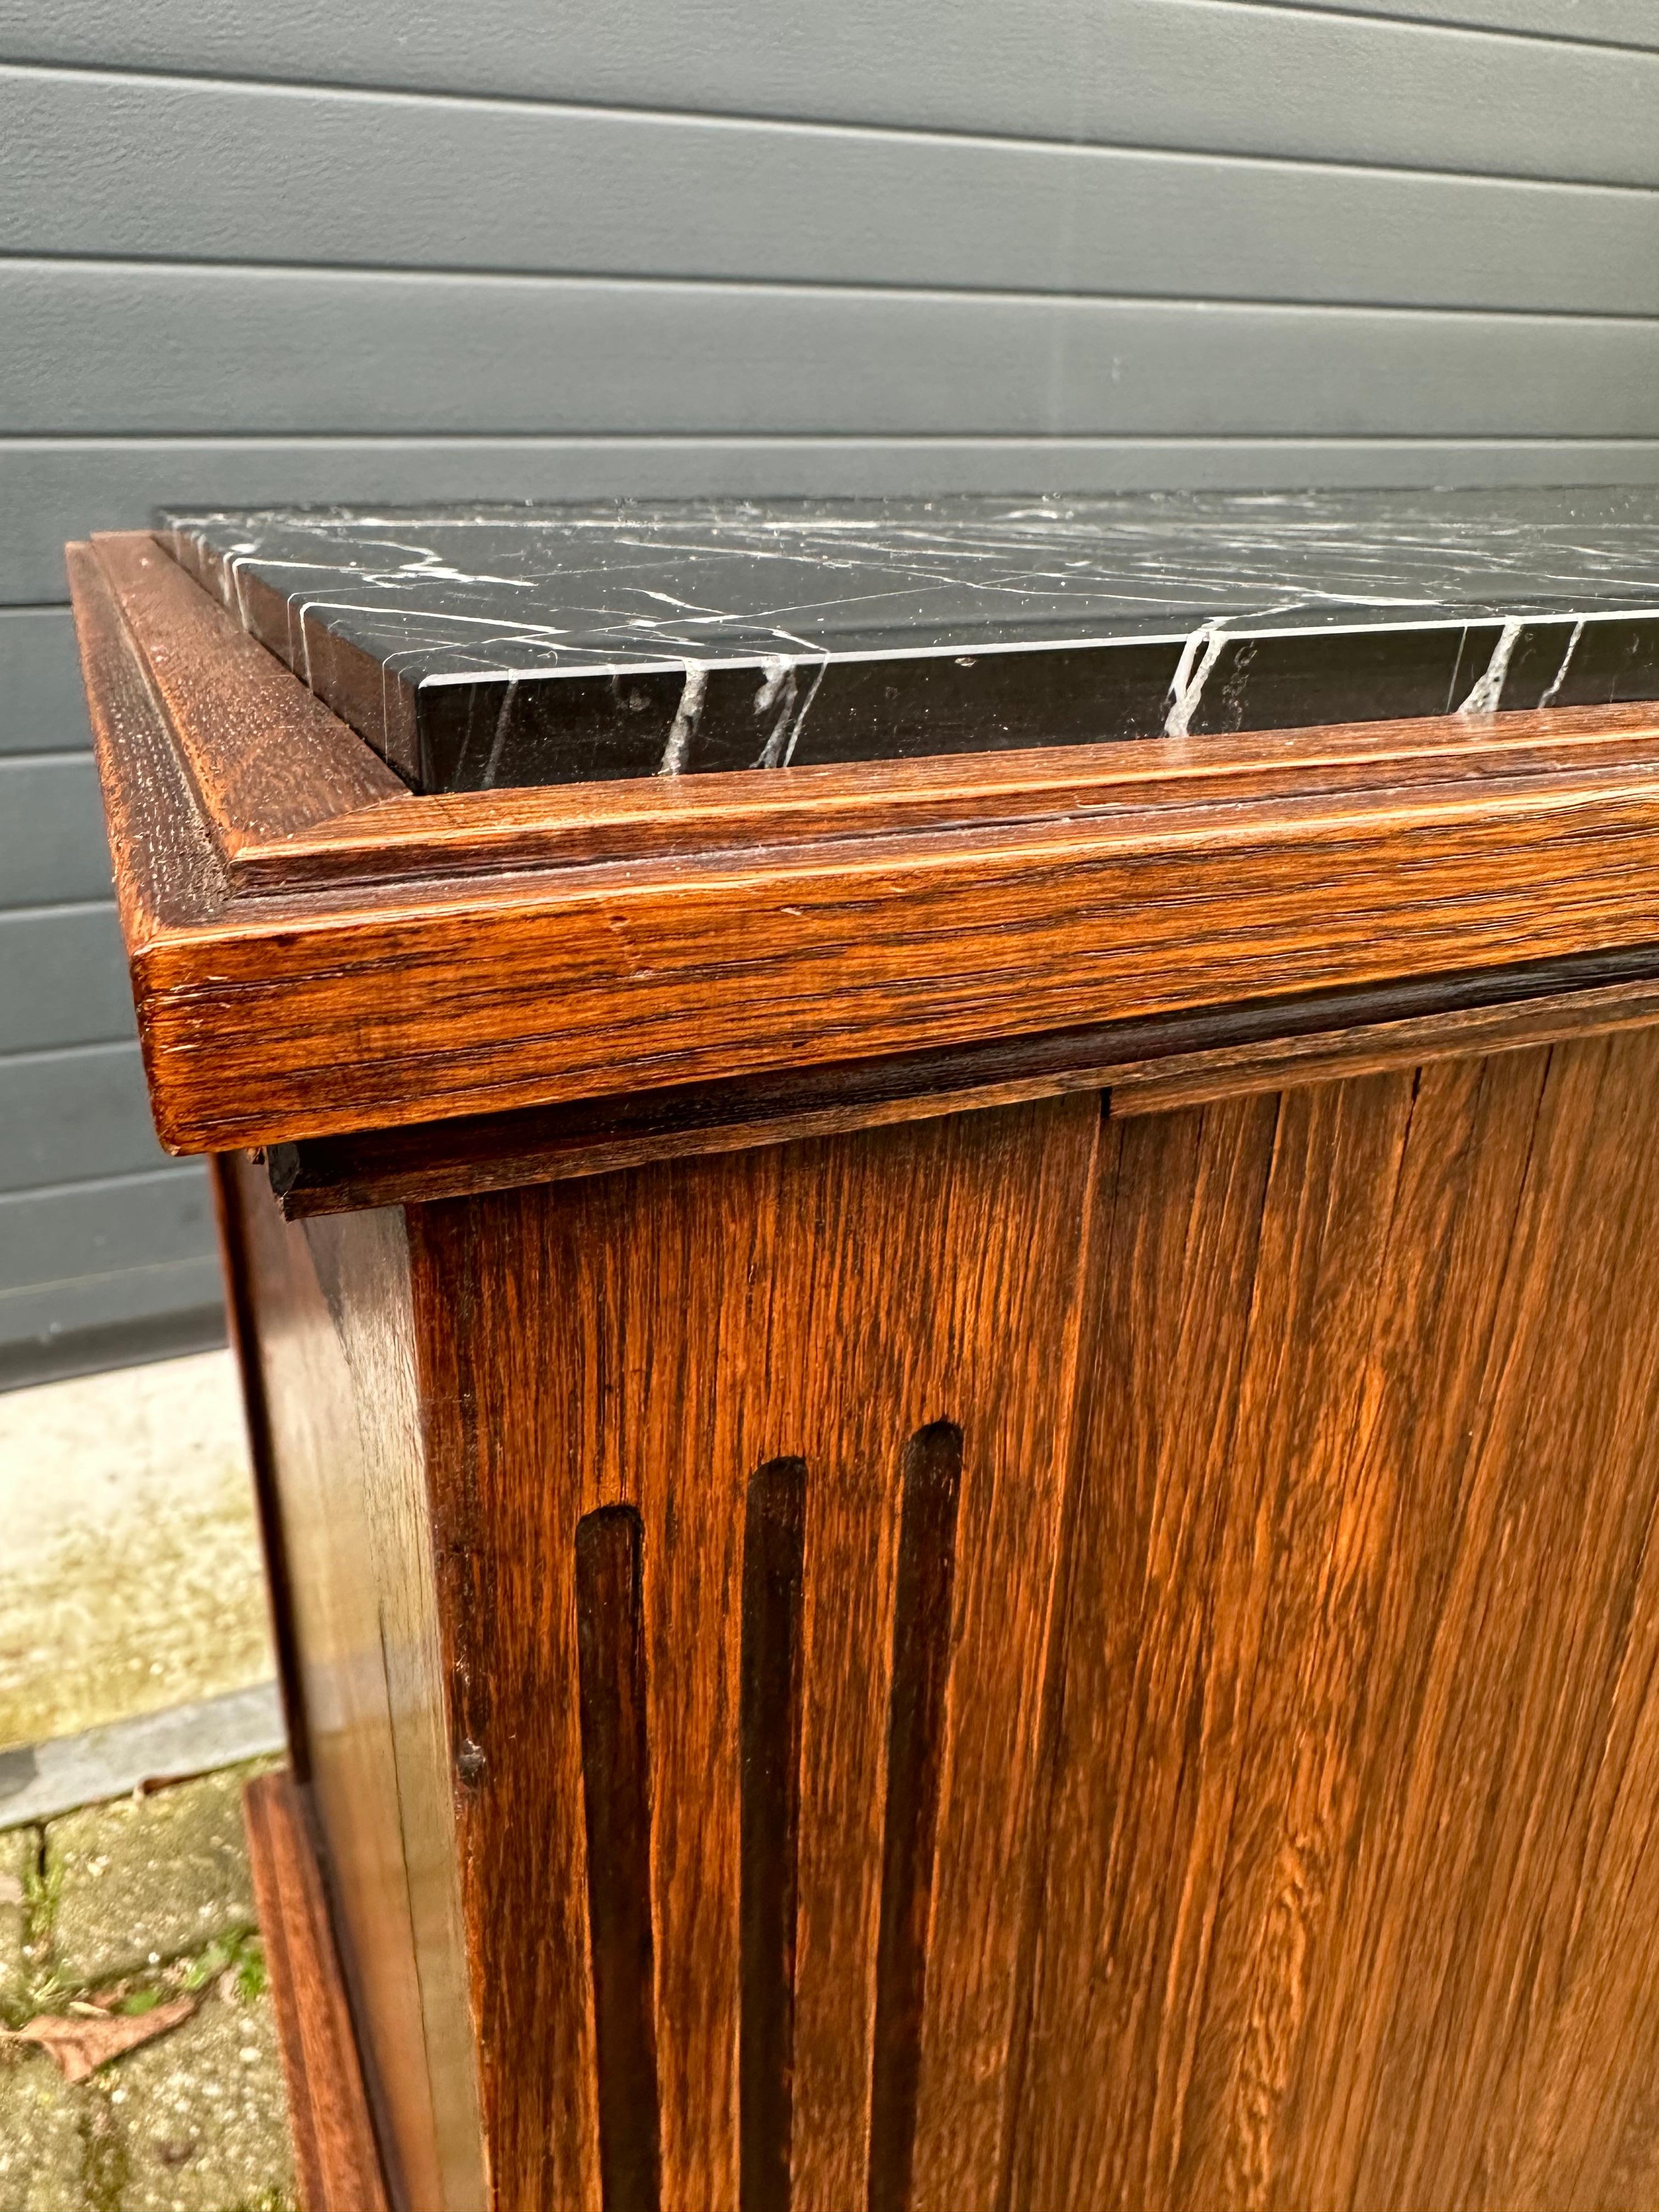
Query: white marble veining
[(773, 598)]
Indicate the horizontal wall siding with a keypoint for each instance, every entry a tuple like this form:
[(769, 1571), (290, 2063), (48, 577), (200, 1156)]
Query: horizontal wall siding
[(377, 181), (107, 1262), (137, 1311), (85, 347), (51, 830), (1212, 75), (1609, 22), (110, 1256), (51, 488), (397, 254), (42, 707), (67, 1233), (76, 1113), (63, 978)]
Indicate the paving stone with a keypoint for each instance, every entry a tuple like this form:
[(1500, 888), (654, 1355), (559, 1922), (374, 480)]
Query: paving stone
[(42, 2151), (149, 1878), (194, 2122), (19, 1854), (202, 2114), (25, 1925)]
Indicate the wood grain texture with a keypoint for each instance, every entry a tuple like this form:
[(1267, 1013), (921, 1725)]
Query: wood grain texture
[(1351, 1898), (544, 995), (266, 756), (924, 1582), (1248, 1805), (167, 868), (1148, 1067), (236, 1265), (330, 1319), (336, 2158), (1248, 1802), (649, 1339), (1350, 857)]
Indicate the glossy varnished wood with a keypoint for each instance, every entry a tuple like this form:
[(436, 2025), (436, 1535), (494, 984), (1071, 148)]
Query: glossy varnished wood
[(1351, 1898), (267, 757), (330, 1323), (1147, 1066), (1236, 1795), (299, 802), (240, 1281), (274, 1008), (650, 1340), (959, 1458)]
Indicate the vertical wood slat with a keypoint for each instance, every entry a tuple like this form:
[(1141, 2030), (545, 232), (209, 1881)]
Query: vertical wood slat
[(1353, 1850), (677, 1444), (617, 1788), (921, 1656), (775, 1529), (650, 1339), (507, 1492), (1356, 1736), (961, 1262)]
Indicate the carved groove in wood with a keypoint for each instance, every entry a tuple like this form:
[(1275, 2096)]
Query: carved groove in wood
[(611, 1567)]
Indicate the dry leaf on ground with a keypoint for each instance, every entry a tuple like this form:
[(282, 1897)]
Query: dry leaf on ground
[(82, 2046)]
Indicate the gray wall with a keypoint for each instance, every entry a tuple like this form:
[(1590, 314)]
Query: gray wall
[(404, 251)]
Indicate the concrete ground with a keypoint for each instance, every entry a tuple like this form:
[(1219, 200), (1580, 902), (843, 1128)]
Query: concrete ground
[(132, 1580), (130, 1576)]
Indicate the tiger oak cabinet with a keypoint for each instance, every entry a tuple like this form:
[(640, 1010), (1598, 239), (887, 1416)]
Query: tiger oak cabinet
[(952, 1347)]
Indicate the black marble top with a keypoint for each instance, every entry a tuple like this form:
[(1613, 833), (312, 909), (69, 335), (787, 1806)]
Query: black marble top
[(517, 645)]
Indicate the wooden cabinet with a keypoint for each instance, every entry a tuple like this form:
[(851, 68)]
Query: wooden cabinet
[(1064, 1618)]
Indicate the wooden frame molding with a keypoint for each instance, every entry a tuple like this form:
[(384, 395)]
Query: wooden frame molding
[(1145, 1067), (337, 2159), (315, 951)]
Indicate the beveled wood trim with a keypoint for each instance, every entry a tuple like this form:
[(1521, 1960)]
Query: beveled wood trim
[(269, 760), (296, 801), (1147, 1068), (405, 837), (1216, 872)]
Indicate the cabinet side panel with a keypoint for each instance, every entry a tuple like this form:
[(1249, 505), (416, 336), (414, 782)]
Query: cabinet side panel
[(331, 1323), (1353, 1896), (879, 1330)]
